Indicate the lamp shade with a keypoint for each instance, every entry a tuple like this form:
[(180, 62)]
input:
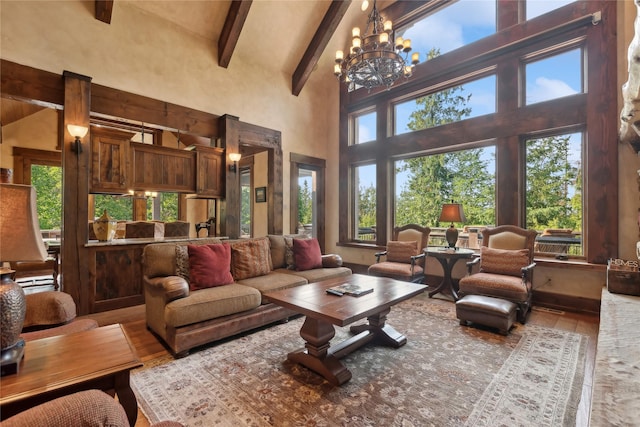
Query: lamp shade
[(20, 238), (452, 212)]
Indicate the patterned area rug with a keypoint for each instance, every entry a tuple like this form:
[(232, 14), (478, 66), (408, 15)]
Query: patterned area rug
[(446, 375)]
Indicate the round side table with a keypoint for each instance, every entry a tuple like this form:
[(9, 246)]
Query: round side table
[(447, 258)]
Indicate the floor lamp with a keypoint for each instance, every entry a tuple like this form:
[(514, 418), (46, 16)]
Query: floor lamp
[(20, 240)]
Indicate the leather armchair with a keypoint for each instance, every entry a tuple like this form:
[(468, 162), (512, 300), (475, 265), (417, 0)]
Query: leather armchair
[(506, 267), (403, 259)]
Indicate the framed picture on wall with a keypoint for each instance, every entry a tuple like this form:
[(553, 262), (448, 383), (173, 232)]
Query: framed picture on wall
[(261, 194)]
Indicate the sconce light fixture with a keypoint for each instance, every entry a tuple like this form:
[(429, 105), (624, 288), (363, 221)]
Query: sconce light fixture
[(78, 132), (235, 158)]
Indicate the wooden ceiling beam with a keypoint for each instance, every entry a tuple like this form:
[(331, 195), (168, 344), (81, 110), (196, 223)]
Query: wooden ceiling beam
[(231, 31), (104, 8), (321, 38)]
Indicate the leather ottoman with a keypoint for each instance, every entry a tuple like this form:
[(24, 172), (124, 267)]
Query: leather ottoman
[(488, 311)]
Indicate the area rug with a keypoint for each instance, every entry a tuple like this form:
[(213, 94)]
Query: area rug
[(446, 375)]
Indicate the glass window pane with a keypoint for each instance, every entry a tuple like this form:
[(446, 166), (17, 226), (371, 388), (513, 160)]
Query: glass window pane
[(554, 192), (307, 203), (118, 207), (246, 214), (458, 24), (47, 181), (364, 128), (364, 213), (471, 99), (540, 7), (424, 184), (168, 206), (554, 77)]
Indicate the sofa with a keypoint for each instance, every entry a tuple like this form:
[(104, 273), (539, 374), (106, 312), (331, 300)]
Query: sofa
[(185, 311)]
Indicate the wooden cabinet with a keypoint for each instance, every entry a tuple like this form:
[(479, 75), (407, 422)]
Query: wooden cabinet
[(116, 277), (109, 160), (210, 172), (156, 168)]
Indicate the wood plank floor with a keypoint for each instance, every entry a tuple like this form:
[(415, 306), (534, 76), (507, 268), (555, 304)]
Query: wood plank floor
[(148, 346)]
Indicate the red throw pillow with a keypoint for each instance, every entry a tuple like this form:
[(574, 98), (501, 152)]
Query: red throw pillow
[(209, 265), (307, 254)]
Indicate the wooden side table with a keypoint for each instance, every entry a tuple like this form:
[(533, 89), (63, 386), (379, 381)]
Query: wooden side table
[(52, 367), (447, 259)]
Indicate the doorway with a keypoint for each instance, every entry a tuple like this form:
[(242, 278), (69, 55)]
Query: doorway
[(307, 194)]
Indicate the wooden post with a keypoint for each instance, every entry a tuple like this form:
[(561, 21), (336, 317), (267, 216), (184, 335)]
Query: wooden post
[(75, 184)]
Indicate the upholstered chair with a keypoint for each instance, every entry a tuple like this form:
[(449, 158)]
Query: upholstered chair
[(52, 313), (176, 229), (506, 267), (84, 408), (403, 259)]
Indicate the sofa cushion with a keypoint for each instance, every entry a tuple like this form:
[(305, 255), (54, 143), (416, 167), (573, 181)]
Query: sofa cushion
[(159, 259), (48, 308), (319, 274), (250, 258), (502, 261), (274, 281), (182, 262), (278, 248), (398, 251), (307, 254), (210, 303), (209, 265)]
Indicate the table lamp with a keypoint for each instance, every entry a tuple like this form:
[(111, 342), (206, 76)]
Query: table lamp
[(452, 212), (20, 240)]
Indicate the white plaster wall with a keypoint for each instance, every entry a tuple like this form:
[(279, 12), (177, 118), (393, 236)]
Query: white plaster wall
[(38, 131)]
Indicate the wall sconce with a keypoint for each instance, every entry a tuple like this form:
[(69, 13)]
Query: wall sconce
[(235, 158), (78, 132)]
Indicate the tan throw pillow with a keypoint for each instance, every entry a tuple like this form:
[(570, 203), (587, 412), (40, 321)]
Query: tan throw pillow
[(250, 258), (398, 251), (502, 261), (182, 262)]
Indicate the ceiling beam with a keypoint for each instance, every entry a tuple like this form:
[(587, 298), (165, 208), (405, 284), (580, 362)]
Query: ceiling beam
[(104, 8), (321, 38), (231, 31)]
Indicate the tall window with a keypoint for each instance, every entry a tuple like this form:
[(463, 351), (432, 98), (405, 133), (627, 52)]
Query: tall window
[(554, 192), (364, 127), (364, 208), (510, 119), (118, 207), (246, 211), (47, 180)]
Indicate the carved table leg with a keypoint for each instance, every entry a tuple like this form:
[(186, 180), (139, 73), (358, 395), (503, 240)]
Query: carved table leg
[(316, 356), (383, 333)]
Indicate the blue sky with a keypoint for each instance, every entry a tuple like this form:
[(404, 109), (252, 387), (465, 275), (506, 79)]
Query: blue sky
[(465, 22)]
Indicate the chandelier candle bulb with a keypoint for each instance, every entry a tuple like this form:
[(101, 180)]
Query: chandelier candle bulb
[(415, 58), (399, 43), (408, 71), (373, 59)]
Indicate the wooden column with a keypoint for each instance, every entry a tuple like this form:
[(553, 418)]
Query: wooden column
[(230, 208), (75, 184)]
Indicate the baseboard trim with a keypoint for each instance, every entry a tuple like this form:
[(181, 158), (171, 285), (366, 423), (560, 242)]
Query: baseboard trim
[(566, 302)]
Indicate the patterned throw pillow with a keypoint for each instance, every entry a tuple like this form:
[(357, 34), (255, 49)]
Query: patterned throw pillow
[(209, 265), (398, 251), (307, 254), (182, 262), (502, 261), (290, 260), (250, 258)]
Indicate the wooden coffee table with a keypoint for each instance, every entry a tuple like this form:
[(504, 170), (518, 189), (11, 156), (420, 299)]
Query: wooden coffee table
[(100, 358), (324, 310)]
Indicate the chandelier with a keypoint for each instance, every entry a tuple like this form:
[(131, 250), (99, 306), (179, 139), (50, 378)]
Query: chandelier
[(373, 59)]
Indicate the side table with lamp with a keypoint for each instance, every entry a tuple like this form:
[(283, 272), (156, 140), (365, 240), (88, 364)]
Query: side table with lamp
[(20, 240)]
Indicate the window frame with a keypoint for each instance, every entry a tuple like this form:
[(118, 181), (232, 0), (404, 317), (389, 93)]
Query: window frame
[(595, 109)]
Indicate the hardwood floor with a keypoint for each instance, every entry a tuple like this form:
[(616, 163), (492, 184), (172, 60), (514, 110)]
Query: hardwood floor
[(148, 346)]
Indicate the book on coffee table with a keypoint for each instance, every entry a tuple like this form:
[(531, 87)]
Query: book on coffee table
[(350, 289)]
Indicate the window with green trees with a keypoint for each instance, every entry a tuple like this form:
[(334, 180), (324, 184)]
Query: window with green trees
[(47, 181), (508, 117)]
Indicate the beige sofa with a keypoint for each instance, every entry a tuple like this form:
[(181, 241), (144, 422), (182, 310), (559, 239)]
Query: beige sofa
[(185, 318)]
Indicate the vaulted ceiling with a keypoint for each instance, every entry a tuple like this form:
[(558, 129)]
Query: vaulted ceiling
[(293, 35)]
